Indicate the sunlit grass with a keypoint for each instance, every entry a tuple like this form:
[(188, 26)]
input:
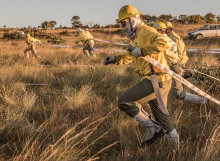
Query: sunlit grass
[(74, 116)]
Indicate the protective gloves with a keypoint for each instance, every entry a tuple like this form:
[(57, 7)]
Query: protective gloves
[(39, 43), (109, 60), (176, 68), (136, 52), (188, 74), (130, 48)]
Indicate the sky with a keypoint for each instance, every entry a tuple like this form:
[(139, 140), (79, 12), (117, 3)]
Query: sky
[(24, 13)]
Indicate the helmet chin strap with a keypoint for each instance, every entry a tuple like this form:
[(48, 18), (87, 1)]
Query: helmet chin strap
[(130, 24)]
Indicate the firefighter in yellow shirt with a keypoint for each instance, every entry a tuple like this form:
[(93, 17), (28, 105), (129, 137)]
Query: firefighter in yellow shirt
[(87, 39), (31, 44), (177, 89), (172, 53), (180, 44), (145, 41)]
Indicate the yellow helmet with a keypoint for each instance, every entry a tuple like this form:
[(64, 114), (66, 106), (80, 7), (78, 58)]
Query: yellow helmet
[(126, 12), (169, 25), (159, 25)]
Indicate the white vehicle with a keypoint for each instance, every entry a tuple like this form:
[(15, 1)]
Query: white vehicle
[(212, 30)]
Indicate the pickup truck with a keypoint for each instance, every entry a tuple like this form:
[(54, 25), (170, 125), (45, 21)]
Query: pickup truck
[(212, 30)]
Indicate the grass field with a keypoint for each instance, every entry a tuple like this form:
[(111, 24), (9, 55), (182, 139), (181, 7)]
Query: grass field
[(73, 114)]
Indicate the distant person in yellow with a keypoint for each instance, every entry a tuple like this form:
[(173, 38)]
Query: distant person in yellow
[(171, 53), (31, 44), (177, 89), (87, 39), (180, 44), (160, 27), (145, 40)]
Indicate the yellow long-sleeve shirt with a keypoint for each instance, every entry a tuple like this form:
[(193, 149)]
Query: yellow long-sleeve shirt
[(84, 36), (180, 47), (29, 39), (153, 44)]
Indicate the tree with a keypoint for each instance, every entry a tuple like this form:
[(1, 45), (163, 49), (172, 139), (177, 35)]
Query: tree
[(182, 19), (48, 24), (209, 18), (174, 19), (53, 24), (45, 25), (147, 17), (4, 26), (154, 18), (76, 22), (218, 19), (96, 26), (165, 17), (194, 19)]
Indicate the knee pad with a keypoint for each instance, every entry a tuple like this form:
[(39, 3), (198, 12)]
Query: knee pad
[(131, 108)]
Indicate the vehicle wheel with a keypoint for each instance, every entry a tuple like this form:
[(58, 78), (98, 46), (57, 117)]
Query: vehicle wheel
[(199, 36)]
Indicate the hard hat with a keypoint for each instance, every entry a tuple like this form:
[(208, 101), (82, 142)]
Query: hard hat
[(79, 30), (21, 33), (169, 25), (159, 25), (126, 12)]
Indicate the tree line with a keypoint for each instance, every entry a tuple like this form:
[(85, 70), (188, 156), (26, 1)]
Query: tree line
[(209, 18)]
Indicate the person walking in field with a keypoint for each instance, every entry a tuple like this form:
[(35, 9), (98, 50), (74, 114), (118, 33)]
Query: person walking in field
[(87, 39), (31, 44), (177, 89), (145, 40)]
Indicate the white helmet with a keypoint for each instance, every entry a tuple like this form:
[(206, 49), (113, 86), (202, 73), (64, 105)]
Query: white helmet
[(21, 33), (79, 30)]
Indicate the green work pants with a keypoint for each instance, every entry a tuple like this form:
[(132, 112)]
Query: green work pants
[(31, 47), (88, 50), (129, 101), (177, 88)]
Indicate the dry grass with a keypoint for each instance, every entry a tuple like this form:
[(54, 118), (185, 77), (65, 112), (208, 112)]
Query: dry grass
[(75, 116)]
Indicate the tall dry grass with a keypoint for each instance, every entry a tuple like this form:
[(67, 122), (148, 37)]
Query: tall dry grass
[(74, 115)]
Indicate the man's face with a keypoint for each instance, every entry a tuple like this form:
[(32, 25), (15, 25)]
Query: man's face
[(123, 23), (126, 25), (168, 30), (162, 31)]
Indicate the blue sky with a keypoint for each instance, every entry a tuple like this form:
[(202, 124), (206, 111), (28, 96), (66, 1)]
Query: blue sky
[(22, 13)]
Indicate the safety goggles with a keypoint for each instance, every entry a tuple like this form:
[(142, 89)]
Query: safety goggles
[(124, 22), (162, 31)]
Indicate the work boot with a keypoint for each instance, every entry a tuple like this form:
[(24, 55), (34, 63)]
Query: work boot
[(196, 99), (94, 56), (27, 55), (154, 129), (86, 53), (173, 137)]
